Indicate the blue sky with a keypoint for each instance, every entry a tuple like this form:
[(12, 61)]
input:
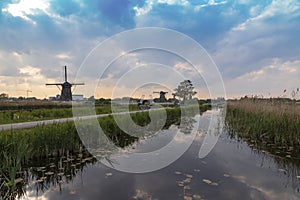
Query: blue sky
[(255, 44)]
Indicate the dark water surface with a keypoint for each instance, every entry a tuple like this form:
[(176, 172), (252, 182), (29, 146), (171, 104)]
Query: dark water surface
[(232, 170)]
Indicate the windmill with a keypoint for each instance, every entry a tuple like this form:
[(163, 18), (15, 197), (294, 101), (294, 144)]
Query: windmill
[(66, 92), (162, 97)]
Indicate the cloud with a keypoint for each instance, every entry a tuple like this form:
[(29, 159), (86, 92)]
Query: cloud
[(276, 8), (242, 36), (273, 33), (269, 81), (25, 8), (30, 71)]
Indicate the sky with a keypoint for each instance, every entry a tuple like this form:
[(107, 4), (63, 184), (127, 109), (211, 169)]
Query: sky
[(254, 44)]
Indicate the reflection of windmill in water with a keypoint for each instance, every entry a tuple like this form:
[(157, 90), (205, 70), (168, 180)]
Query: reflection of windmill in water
[(66, 92)]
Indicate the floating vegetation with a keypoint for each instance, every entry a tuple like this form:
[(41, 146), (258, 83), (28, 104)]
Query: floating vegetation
[(180, 184), (209, 182), (108, 174), (187, 197), (189, 175), (186, 187), (187, 180), (196, 196), (140, 194)]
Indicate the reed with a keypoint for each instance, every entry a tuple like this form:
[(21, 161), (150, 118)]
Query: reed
[(273, 121)]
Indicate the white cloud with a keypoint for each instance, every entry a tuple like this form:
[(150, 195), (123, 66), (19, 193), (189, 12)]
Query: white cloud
[(269, 80), (174, 2), (30, 71), (64, 56), (149, 4), (143, 10), (27, 7), (197, 8), (288, 7), (183, 66)]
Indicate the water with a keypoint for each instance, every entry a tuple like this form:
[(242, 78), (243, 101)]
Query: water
[(232, 170)]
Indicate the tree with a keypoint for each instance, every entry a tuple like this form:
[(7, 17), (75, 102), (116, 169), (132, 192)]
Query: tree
[(185, 90), (3, 96)]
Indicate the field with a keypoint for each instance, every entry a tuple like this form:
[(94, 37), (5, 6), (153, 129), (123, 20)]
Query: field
[(14, 113)]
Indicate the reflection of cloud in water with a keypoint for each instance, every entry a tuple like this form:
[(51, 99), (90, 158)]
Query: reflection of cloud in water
[(138, 160), (152, 152), (266, 192), (256, 172)]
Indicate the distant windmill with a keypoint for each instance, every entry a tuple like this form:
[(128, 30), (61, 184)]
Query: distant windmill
[(66, 92), (162, 97)]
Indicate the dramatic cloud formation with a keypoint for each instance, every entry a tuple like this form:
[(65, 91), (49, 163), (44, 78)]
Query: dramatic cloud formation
[(255, 44)]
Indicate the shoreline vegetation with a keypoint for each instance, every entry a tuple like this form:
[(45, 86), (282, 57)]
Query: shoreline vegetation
[(21, 150), (266, 122)]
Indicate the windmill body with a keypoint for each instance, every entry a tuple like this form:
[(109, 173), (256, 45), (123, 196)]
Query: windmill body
[(162, 97), (66, 88)]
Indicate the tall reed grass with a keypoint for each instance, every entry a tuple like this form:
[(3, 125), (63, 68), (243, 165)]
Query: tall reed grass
[(272, 120)]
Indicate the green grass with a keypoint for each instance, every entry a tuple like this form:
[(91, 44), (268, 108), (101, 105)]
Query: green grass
[(16, 116)]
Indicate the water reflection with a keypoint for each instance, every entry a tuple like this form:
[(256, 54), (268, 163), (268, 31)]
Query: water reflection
[(285, 159), (137, 160)]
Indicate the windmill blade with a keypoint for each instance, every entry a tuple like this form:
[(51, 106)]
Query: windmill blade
[(53, 84)]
